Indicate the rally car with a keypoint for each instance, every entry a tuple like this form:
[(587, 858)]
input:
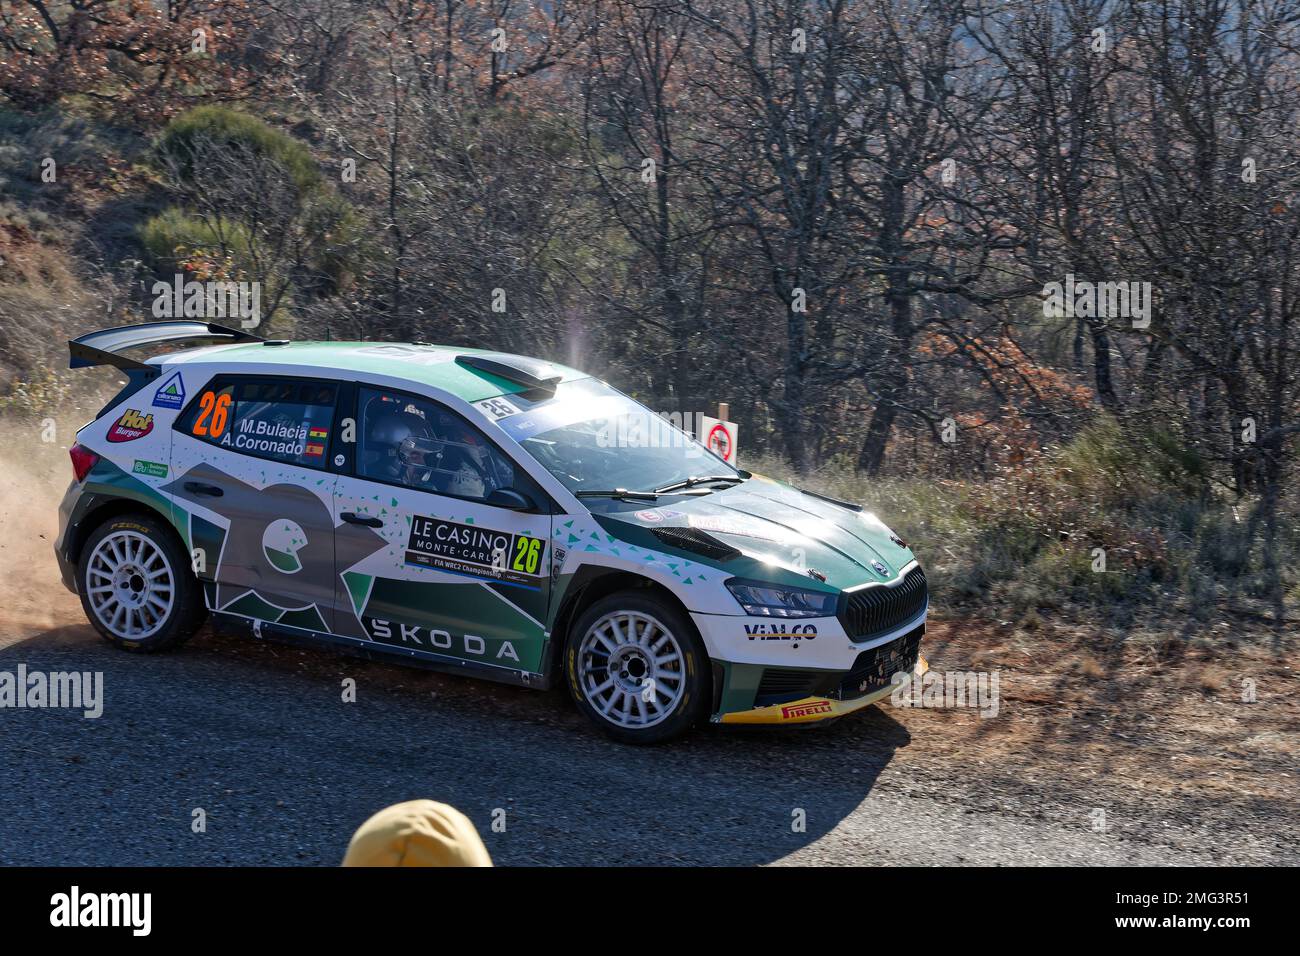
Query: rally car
[(477, 512)]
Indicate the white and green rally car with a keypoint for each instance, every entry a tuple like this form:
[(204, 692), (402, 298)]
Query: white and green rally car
[(479, 513)]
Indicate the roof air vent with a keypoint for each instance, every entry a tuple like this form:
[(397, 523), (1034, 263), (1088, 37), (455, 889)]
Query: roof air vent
[(532, 373)]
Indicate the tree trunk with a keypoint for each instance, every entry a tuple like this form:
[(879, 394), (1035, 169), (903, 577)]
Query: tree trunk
[(894, 388), (1101, 367), (793, 405)]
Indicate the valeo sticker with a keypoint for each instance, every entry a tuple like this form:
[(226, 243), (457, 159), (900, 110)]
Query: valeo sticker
[(151, 469)]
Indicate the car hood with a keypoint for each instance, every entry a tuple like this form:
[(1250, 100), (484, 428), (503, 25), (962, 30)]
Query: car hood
[(788, 535)]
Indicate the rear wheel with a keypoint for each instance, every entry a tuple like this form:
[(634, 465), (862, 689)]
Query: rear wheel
[(637, 669), (136, 585)]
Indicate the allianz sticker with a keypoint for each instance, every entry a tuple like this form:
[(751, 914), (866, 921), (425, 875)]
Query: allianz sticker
[(171, 393)]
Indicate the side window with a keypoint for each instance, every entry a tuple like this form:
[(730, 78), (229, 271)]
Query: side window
[(287, 420), (419, 444)]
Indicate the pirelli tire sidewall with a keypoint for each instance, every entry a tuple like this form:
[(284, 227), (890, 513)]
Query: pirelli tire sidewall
[(693, 707), (188, 610)]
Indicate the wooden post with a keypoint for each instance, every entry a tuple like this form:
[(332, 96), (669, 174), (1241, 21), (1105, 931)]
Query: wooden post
[(723, 410)]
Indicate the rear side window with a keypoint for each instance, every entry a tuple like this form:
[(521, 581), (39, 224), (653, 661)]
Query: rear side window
[(286, 420)]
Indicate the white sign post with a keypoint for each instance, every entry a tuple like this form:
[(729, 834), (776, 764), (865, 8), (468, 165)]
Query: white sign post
[(719, 435)]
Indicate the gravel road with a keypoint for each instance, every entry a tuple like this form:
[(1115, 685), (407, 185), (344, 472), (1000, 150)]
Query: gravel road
[(258, 736)]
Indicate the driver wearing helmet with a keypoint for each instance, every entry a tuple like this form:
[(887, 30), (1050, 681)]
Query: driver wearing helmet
[(466, 467), (390, 439)]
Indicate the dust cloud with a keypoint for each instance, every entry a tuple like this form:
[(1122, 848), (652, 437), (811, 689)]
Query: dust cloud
[(33, 477)]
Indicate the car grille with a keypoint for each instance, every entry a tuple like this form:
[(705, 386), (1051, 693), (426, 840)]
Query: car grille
[(875, 668), (876, 610), (780, 685)]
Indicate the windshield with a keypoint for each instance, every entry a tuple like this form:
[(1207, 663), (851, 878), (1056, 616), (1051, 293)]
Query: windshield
[(594, 438)]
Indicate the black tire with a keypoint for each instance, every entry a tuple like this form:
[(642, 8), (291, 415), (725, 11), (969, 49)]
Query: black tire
[(158, 629), (682, 702)]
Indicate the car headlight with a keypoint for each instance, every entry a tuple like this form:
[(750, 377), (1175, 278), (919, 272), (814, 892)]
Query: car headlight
[(778, 600)]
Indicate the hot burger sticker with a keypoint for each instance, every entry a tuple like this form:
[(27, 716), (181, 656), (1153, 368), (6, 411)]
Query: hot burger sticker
[(132, 425)]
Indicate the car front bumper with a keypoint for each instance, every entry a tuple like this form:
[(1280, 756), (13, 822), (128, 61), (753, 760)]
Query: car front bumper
[(802, 671), (812, 710)]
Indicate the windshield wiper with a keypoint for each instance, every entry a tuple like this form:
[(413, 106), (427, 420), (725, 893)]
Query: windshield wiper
[(619, 493), (625, 495), (697, 480)]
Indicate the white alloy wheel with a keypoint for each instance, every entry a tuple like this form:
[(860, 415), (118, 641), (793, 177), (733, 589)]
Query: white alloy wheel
[(631, 669), (131, 585)]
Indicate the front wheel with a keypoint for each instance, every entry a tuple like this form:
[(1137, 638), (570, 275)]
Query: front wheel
[(637, 669), (136, 586)]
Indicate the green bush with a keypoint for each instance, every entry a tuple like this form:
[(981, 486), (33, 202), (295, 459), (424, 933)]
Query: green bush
[(240, 133), (170, 235), (304, 238), (1024, 540)]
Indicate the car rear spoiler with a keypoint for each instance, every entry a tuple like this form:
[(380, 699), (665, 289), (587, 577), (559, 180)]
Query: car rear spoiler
[(105, 347)]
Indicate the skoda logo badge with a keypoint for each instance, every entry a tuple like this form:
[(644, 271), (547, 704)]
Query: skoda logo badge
[(880, 569)]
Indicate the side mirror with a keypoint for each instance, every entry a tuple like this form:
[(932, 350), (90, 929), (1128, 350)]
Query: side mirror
[(510, 499)]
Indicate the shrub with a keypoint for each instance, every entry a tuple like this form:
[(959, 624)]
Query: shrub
[(1025, 538), (252, 206), (246, 138)]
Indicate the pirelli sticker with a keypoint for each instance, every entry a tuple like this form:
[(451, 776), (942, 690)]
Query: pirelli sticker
[(479, 552), (805, 709)]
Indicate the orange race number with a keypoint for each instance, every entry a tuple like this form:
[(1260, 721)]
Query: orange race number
[(214, 415)]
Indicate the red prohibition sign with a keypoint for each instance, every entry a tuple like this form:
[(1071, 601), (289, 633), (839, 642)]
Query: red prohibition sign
[(720, 442)]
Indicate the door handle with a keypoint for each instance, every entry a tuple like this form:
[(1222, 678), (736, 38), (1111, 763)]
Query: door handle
[(198, 488), (366, 520)]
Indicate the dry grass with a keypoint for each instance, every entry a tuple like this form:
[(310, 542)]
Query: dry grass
[(1124, 721), (1022, 548)]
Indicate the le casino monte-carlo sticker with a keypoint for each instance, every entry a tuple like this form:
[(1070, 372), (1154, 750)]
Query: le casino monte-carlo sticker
[(479, 552)]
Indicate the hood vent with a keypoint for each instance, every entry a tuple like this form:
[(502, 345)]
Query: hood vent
[(529, 372), (697, 542)]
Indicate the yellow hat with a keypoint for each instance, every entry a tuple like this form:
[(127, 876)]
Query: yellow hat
[(417, 833)]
